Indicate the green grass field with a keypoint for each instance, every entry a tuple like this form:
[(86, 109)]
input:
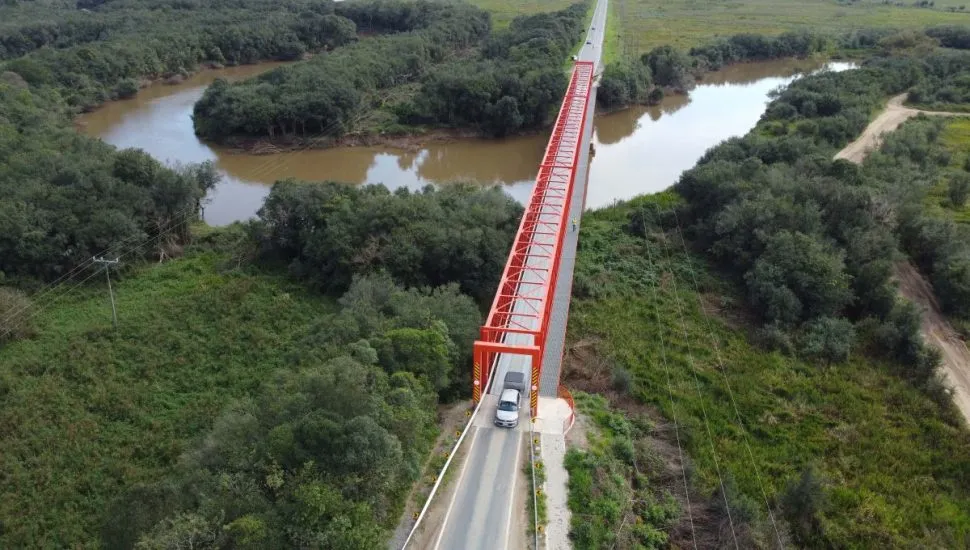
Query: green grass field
[(685, 23), (895, 462), (956, 138), (640, 25), (503, 11), (88, 412)]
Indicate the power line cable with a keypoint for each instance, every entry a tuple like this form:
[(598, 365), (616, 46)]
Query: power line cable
[(727, 383), (66, 278), (700, 396), (53, 285), (12, 323), (670, 391)]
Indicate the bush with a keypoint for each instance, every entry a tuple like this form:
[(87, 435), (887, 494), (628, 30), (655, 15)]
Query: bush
[(670, 67), (775, 338), (797, 278), (622, 380), (126, 89), (15, 310), (959, 189), (828, 339), (804, 502), (951, 281)]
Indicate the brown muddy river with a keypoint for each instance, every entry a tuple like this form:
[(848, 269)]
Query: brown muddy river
[(639, 150)]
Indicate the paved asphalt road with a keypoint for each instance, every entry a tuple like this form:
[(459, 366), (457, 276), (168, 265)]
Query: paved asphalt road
[(480, 513)]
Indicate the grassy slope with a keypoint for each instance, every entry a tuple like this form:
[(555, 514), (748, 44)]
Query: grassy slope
[(685, 23), (899, 467), (87, 411), (956, 138), (618, 449)]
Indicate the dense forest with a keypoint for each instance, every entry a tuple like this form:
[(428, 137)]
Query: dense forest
[(68, 197), (324, 95), (72, 197), (323, 455), (947, 83), (813, 241), (443, 70), (320, 446), (103, 54), (423, 239)]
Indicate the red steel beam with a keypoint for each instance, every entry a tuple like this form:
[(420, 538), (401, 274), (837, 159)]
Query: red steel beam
[(537, 244)]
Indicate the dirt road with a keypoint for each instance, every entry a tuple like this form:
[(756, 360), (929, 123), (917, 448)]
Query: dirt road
[(936, 329), (887, 121), (938, 332)]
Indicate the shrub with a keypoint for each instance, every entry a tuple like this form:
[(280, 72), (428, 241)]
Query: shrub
[(959, 189), (622, 380), (14, 320), (774, 337), (126, 89), (828, 339), (951, 281), (803, 502)]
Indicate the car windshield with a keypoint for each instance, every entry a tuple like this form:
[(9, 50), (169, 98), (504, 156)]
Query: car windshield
[(506, 406)]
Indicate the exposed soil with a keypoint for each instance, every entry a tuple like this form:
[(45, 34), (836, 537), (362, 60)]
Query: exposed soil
[(577, 435), (450, 418), (938, 331), (887, 121), (935, 328), (586, 370)]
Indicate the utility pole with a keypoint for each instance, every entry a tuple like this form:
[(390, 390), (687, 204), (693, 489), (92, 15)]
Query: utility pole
[(107, 273)]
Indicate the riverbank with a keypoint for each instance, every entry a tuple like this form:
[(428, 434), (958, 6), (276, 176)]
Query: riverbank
[(801, 420), (677, 132), (412, 142)]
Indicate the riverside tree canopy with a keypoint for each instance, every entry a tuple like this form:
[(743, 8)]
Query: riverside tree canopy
[(464, 77)]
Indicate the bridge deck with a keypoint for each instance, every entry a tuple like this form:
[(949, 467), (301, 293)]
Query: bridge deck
[(559, 313)]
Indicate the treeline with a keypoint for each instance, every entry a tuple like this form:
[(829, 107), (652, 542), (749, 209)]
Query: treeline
[(324, 95), (510, 82), (67, 197), (513, 85), (946, 85), (813, 241), (911, 162), (323, 455), (631, 81), (325, 233), (143, 41), (626, 82)]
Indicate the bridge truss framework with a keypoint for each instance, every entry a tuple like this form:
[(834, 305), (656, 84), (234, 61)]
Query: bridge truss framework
[(518, 320)]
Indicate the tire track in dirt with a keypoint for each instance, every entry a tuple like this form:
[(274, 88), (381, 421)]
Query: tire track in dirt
[(887, 121), (935, 328)]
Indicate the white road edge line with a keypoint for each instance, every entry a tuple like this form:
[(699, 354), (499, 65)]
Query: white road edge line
[(461, 475), (508, 519)]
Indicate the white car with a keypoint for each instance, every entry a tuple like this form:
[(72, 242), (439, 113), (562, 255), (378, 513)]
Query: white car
[(507, 413)]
